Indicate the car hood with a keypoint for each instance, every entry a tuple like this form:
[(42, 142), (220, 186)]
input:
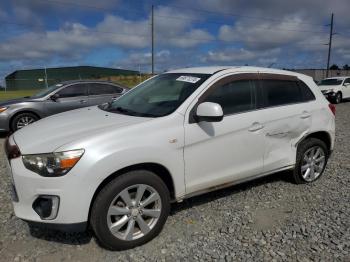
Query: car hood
[(16, 101), (53, 132), (323, 88)]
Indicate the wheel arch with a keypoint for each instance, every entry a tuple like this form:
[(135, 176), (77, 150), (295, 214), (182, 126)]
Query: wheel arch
[(321, 135), (161, 171), (26, 111)]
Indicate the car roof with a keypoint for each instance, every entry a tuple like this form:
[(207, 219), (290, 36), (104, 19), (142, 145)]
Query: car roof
[(90, 81), (215, 69)]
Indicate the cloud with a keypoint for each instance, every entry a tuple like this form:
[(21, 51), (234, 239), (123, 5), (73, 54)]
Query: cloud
[(142, 59), (75, 39), (244, 32), (177, 30), (242, 55), (268, 34)]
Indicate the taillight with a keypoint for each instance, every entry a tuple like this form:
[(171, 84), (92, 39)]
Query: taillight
[(332, 108), (11, 151)]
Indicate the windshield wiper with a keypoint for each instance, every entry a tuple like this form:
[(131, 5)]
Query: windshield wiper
[(130, 112)]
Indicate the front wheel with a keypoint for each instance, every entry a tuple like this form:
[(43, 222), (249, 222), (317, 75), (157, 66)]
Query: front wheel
[(311, 160), (338, 98), (130, 211), (22, 120)]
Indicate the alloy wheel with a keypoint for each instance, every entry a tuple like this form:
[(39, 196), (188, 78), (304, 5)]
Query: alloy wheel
[(313, 163), (24, 121), (134, 212)]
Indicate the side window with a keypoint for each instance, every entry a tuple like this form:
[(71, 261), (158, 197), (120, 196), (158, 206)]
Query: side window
[(347, 81), (281, 92), (73, 91), (234, 97), (306, 92), (104, 89)]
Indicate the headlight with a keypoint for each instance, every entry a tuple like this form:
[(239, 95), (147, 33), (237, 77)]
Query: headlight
[(3, 108), (329, 91), (53, 164)]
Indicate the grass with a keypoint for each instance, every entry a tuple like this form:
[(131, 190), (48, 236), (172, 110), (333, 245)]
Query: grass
[(16, 93)]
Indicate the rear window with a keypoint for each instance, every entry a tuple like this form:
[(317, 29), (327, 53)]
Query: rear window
[(306, 92), (281, 92), (104, 89)]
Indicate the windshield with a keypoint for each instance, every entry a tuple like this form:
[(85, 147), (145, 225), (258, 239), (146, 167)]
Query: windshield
[(158, 96), (331, 82), (46, 91)]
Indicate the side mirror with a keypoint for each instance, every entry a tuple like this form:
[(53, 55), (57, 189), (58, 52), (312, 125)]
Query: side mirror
[(346, 84), (55, 97), (209, 112)]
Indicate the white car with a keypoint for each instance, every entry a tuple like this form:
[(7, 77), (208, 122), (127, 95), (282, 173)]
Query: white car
[(335, 89), (117, 167)]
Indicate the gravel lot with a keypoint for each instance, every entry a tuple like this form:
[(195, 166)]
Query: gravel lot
[(270, 219)]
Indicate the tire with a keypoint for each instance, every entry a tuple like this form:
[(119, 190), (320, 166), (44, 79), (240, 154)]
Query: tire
[(338, 98), (109, 200), (23, 119), (303, 162)]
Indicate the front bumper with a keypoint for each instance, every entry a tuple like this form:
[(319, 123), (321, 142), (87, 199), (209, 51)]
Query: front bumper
[(74, 193), (329, 95), (4, 122), (76, 227)]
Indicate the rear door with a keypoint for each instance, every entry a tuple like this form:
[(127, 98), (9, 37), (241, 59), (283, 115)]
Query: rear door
[(286, 115), (100, 93), (70, 97)]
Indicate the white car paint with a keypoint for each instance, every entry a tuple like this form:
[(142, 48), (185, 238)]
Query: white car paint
[(343, 88), (198, 156)]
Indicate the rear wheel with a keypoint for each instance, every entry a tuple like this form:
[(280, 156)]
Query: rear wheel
[(312, 156), (130, 210), (22, 120)]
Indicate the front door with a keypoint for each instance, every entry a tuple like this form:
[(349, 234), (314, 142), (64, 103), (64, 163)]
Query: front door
[(71, 97), (216, 153)]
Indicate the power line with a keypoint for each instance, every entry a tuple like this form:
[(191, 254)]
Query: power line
[(167, 37), (238, 15), (139, 11), (222, 23)]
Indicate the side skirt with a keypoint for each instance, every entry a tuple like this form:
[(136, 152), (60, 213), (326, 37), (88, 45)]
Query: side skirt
[(236, 182)]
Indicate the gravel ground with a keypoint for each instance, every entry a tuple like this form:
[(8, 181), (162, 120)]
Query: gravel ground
[(269, 219)]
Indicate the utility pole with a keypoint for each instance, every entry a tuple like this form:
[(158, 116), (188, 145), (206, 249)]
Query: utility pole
[(330, 45), (46, 78), (152, 24)]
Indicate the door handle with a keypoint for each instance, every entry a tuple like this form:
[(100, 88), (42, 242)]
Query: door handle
[(82, 101), (255, 127), (305, 114)]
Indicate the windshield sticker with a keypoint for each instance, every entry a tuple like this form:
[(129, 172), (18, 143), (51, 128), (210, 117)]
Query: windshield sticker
[(189, 79)]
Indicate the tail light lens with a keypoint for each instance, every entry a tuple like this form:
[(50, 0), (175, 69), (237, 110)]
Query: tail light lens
[(332, 108)]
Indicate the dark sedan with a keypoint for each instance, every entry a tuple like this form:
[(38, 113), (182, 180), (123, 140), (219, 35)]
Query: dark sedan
[(17, 113)]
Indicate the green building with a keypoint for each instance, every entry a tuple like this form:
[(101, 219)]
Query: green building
[(37, 78)]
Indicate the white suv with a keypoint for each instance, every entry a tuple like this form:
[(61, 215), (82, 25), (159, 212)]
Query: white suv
[(335, 88), (117, 167)]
